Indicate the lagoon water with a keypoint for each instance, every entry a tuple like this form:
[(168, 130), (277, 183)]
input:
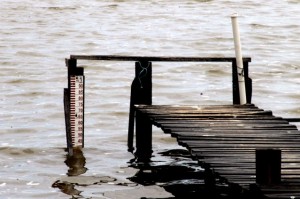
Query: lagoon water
[(36, 37)]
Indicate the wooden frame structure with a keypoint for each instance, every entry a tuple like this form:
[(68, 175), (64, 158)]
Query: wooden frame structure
[(244, 138), (141, 92)]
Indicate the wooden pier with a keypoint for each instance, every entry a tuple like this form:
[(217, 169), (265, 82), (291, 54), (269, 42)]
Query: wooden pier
[(225, 140), (244, 145)]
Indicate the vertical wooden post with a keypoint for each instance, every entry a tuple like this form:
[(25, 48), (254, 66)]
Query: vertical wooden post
[(67, 119), (143, 137), (74, 105), (235, 83), (141, 93), (268, 166), (248, 82)]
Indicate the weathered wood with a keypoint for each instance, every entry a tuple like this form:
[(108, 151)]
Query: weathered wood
[(196, 144), (67, 118), (292, 119), (143, 137), (218, 113), (229, 125), (215, 108), (235, 84), (268, 166), (248, 82), (238, 132), (225, 139), (169, 121), (160, 59), (141, 93)]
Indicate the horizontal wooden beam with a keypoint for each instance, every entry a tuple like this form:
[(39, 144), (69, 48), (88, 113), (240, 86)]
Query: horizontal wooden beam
[(158, 59), (292, 119)]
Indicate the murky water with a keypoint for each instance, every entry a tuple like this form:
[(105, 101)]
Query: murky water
[(36, 37)]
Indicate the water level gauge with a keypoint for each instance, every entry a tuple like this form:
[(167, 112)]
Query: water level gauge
[(77, 109)]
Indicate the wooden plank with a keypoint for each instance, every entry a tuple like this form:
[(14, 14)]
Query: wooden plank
[(233, 133), (220, 111), (216, 121), (228, 125), (244, 132), (240, 138), (237, 150), (160, 59), (254, 116), (209, 130), (221, 122), (228, 106), (224, 109), (212, 119), (199, 144)]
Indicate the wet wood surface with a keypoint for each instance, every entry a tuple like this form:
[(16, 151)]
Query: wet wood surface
[(224, 138)]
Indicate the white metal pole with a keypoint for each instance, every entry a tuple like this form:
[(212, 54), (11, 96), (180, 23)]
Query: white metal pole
[(239, 59)]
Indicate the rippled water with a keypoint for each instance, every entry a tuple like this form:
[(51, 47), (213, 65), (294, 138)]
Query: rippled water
[(36, 37)]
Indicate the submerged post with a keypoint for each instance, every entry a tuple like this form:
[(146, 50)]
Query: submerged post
[(74, 105), (268, 166), (141, 93), (239, 60)]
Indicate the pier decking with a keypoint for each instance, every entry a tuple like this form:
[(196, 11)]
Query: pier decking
[(224, 139)]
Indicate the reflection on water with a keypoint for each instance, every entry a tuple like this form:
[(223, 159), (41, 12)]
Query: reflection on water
[(76, 163), (67, 188), (75, 160), (181, 176), (77, 179), (177, 174)]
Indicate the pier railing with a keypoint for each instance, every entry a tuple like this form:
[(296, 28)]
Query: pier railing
[(141, 90)]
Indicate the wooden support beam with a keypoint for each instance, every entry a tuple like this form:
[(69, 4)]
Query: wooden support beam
[(292, 119), (158, 59), (248, 82), (67, 119), (143, 137), (268, 166), (141, 93), (235, 83)]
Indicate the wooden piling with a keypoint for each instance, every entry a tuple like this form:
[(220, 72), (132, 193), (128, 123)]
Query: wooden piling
[(235, 83), (141, 93), (143, 137), (67, 119), (248, 82), (268, 166)]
